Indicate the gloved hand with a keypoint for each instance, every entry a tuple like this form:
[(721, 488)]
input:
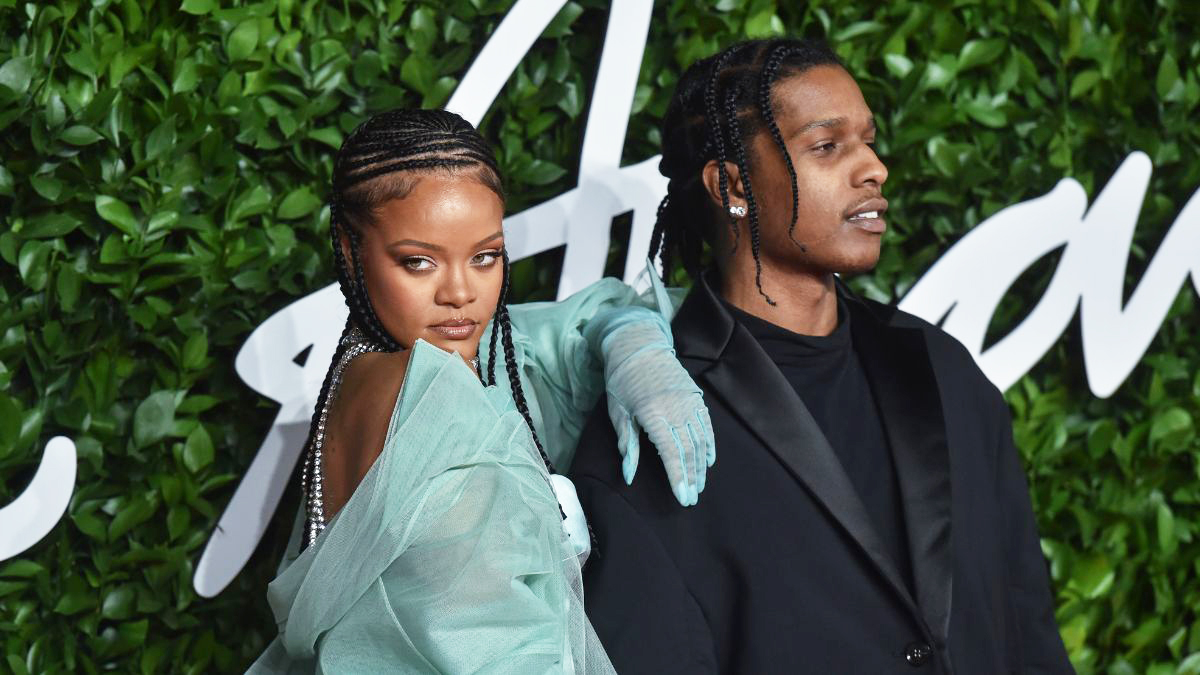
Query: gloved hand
[(649, 389)]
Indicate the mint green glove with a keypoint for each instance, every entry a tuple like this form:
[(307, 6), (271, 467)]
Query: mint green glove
[(649, 389)]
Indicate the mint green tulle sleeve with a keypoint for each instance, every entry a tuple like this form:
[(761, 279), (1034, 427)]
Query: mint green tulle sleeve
[(561, 371)]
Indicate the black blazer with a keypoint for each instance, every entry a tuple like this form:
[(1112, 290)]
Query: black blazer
[(779, 569)]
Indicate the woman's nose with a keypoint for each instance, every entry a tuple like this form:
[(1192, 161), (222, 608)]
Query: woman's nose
[(456, 289)]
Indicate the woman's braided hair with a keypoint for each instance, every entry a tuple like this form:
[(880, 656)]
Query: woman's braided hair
[(719, 104), (381, 160)]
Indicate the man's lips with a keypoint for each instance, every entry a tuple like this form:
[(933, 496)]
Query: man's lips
[(868, 215), (455, 329)]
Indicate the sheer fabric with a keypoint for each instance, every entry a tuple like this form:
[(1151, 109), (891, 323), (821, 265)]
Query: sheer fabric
[(450, 556)]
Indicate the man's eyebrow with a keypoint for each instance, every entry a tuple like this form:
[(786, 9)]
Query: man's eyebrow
[(414, 242), (831, 123)]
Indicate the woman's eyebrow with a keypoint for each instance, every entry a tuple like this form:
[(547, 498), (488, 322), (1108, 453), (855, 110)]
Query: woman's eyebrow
[(414, 242), (498, 234)]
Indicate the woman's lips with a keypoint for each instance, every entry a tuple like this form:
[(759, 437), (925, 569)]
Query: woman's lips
[(456, 329)]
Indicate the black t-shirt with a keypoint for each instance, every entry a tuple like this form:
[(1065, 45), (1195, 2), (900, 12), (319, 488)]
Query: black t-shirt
[(826, 373)]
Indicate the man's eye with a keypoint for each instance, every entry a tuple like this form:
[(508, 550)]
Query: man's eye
[(826, 148), (485, 259), (416, 263)]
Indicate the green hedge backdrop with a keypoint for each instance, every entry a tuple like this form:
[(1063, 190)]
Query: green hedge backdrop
[(162, 172)]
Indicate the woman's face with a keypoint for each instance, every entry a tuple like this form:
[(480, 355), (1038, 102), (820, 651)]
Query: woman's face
[(432, 262)]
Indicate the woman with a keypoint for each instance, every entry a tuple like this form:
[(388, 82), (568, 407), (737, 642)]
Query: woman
[(433, 540)]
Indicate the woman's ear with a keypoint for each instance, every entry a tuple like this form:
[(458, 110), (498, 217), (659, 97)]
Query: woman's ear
[(344, 243), (712, 184)]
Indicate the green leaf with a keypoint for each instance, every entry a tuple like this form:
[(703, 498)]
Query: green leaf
[(252, 202), (48, 187), (1165, 521), (17, 74), (986, 114), (243, 40), (68, 285), (1083, 83), (153, 418), (542, 172), (195, 350), (198, 7), (136, 511), (75, 601), (898, 65), (422, 30), (298, 203), (980, 52), (1092, 576), (118, 603), (198, 450), (1172, 429), (1168, 77), (33, 264), (118, 213), (80, 135), (21, 569), (187, 78)]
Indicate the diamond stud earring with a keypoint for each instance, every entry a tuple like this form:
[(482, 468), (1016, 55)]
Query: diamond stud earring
[(737, 211)]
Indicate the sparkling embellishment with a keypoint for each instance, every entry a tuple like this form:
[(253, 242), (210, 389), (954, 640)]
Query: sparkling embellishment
[(312, 476)]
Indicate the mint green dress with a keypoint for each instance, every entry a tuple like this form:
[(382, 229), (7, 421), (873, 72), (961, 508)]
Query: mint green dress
[(450, 555)]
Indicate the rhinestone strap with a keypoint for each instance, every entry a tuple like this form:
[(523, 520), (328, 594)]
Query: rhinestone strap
[(313, 475)]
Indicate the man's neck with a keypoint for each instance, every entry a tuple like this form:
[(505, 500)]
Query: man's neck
[(805, 303)]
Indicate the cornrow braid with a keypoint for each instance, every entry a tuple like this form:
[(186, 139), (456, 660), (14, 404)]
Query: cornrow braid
[(765, 80), (361, 309), (514, 377), (656, 237), (739, 147), (390, 144), (717, 134), (719, 104), (501, 302)]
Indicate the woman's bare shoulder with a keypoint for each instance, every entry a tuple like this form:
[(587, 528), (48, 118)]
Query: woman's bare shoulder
[(358, 421)]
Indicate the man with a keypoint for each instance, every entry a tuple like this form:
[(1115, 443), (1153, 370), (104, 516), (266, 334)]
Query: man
[(868, 513)]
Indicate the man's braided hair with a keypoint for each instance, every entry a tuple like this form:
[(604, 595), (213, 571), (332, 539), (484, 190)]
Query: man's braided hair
[(719, 104)]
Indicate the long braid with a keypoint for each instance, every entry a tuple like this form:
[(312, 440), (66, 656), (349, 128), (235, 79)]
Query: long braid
[(656, 237), (502, 301), (310, 466), (514, 376), (362, 310), (396, 143), (719, 104), (743, 169), (717, 134), (765, 80)]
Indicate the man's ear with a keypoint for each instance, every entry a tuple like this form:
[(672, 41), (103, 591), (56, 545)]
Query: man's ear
[(712, 184)]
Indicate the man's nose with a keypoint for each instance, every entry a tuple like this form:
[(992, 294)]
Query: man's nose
[(871, 170)]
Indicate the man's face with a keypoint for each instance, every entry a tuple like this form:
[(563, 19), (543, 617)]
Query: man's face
[(829, 132)]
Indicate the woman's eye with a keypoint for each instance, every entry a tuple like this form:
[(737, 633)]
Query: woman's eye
[(485, 259), (826, 148), (415, 263)]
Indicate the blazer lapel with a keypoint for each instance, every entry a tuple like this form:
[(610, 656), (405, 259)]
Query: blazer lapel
[(746, 380), (897, 364)]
